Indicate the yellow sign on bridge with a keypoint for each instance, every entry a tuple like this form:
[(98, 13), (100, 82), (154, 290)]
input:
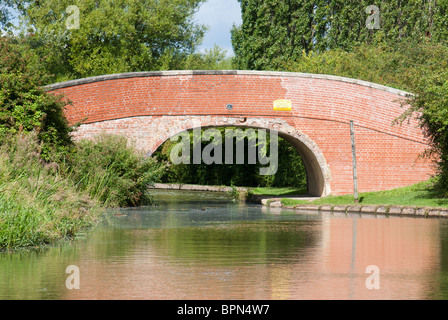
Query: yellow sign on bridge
[(282, 105)]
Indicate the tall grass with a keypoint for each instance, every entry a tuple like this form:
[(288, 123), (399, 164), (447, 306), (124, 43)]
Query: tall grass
[(113, 171), (38, 205), (43, 202)]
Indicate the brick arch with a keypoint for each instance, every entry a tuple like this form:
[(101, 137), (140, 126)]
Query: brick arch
[(318, 172), (146, 105)]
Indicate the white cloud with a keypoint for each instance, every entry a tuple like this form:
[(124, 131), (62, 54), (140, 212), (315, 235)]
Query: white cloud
[(219, 16)]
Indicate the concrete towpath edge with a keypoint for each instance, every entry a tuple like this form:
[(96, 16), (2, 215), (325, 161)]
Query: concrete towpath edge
[(388, 210)]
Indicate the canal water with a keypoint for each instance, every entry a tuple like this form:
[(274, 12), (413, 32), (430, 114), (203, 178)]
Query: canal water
[(195, 245)]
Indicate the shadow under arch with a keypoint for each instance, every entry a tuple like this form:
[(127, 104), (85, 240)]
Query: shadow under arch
[(317, 169)]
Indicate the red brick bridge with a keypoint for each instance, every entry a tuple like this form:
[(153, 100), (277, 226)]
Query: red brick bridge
[(151, 107)]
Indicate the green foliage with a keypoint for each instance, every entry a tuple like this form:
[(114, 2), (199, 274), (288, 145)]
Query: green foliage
[(113, 36), (112, 171), (38, 205), (430, 104), (272, 31), (211, 59), (400, 67), (290, 173), (42, 202), (24, 106), (275, 32), (5, 14), (240, 194), (6, 9)]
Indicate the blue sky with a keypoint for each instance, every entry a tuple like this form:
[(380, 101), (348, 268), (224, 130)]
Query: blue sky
[(219, 16)]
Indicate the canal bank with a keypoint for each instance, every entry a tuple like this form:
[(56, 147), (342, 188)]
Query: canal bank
[(392, 210), (194, 187), (278, 202)]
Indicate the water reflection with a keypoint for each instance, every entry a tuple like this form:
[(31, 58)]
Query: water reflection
[(198, 247)]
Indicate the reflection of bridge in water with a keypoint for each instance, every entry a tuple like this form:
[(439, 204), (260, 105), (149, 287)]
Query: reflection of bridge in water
[(332, 266), (151, 107)]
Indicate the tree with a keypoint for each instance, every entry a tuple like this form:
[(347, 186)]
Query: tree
[(24, 106), (236, 174), (6, 6), (111, 36), (430, 104), (272, 31), (275, 32), (212, 59), (401, 67)]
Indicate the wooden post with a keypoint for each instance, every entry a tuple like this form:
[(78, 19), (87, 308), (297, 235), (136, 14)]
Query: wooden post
[(355, 169)]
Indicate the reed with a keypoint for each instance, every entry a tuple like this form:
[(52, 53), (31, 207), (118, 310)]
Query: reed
[(42, 202)]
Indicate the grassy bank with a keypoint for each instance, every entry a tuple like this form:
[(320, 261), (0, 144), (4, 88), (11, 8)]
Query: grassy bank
[(44, 202), (424, 194)]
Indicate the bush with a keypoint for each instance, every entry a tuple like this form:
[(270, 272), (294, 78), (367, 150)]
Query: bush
[(25, 106), (42, 202), (430, 105), (112, 171)]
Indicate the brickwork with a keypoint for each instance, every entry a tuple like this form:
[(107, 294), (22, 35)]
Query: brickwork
[(150, 107)]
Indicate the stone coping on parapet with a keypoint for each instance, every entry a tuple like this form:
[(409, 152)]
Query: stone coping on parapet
[(388, 210), (142, 74)]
